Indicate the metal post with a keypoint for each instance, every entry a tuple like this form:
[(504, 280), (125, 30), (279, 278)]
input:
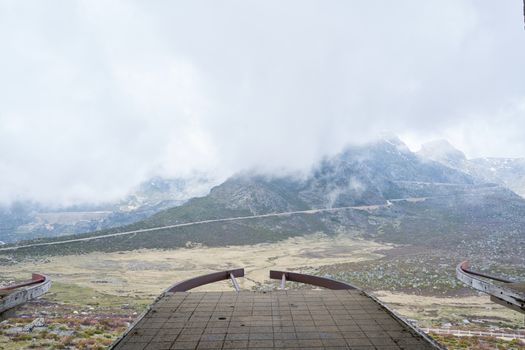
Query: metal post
[(283, 281), (235, 284)]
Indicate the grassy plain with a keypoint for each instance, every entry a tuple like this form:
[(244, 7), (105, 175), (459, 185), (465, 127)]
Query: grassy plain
[(146, 272), (428, 310), (96, 295)]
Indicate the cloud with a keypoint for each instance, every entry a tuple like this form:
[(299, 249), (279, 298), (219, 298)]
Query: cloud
[(96, 96)]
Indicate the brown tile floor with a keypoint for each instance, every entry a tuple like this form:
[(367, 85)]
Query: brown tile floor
[(294, 319)]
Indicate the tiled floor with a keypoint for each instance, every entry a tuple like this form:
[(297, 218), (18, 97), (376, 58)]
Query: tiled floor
[(294, 319)]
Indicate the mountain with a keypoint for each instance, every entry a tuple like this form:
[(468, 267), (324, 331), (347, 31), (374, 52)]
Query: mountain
[(13, 216), (382, 189), (361, 175), (443, 152), (24, 220), (509, 172), (506, 171)]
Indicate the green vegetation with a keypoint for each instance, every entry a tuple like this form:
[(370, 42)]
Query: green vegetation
[(483, 224), (478, 343), (270, 229), (457, 223), (74, 295), (420, 271), (75, 317)]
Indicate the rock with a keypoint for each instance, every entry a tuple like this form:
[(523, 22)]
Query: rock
[(37, 322), (13, 330)]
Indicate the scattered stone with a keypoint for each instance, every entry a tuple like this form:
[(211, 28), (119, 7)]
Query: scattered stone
[(37, 322), (14, 330)]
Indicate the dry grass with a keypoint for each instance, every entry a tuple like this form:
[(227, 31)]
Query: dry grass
[(145, 273), (428, 310)]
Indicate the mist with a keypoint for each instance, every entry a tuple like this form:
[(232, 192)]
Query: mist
[(97, 96)]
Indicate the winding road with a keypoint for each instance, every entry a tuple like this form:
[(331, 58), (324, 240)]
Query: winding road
[(238, 218), (202, 222)]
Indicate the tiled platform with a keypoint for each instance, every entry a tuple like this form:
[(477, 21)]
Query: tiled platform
[(295, 319)]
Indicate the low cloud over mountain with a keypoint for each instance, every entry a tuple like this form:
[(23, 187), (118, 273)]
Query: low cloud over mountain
[(97, 97)]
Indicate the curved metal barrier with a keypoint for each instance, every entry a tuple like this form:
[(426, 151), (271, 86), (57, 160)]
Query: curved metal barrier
[(205, 279), (464, 266), (17, 294), (35, 278), (308, 279), (509, 294)]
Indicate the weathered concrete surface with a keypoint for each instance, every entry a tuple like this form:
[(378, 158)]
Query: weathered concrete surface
[(294, 319)]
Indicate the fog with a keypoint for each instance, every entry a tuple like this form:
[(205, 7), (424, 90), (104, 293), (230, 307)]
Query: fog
[(97, 96)]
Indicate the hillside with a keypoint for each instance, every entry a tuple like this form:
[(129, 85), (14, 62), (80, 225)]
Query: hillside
[(24, 220), (365, 175), (442, 207), (377, 216), (508, 172)]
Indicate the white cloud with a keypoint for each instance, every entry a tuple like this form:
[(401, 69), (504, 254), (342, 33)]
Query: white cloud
[(96, 96)]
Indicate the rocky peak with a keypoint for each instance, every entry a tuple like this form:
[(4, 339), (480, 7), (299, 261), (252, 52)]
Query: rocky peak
[(442, 151)]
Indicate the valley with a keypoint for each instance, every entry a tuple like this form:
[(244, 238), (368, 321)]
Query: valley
[(377, 216), (26, 220), (203, 222), (148, 147), (95, 295)]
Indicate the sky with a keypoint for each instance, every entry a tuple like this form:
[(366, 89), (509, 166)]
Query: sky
[(97, 96)]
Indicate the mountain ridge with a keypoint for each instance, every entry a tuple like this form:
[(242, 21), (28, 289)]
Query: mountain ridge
[(440, 201), (509, 172), (24, 220)]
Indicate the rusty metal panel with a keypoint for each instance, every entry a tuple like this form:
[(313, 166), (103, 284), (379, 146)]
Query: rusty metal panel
[(204, 279), (310, 279)]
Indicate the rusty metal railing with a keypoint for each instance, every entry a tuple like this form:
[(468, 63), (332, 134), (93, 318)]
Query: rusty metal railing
[(465, 267), (308, 279), (508, 294), (14, 295), (35, 278), (206, 279)]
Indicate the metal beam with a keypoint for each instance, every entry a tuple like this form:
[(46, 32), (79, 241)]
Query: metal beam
[(235, 284), (309, 279), (283, 282), (204, 279)]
